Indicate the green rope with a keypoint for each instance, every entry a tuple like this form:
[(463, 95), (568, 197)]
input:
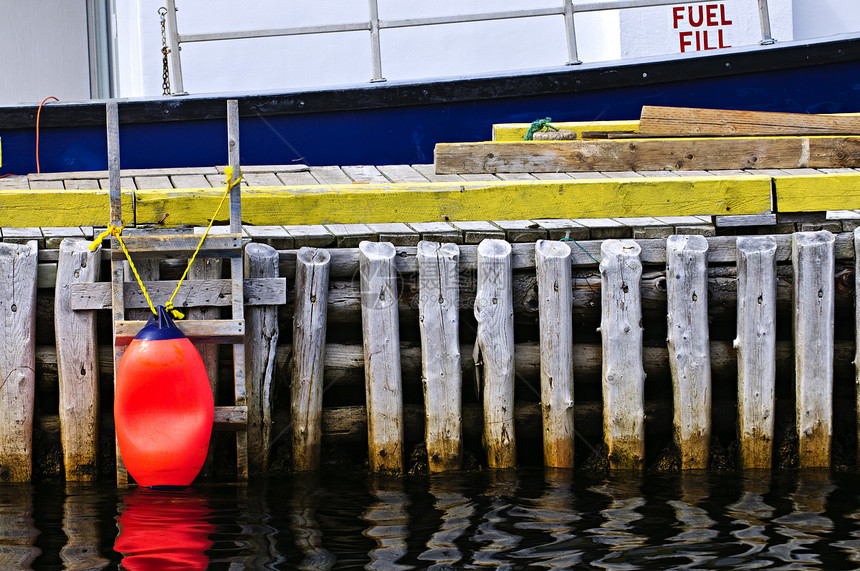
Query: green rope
[(539, 125), (565, 239)]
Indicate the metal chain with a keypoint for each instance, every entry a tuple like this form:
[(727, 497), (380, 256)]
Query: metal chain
[(165, 76)]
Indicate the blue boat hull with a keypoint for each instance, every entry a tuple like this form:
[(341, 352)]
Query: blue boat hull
[(401, 123)]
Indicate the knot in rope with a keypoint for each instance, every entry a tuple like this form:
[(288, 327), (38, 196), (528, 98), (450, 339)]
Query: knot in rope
[(112, 230), (537, 126)]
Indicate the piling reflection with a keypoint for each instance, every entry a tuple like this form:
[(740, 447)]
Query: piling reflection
[(617, 532), (553, 514), (806, 525), (81, 509), (495, 542), (18, 531), (388, 522), (457, 510), (751, 514), (301, 515), (164, 529)]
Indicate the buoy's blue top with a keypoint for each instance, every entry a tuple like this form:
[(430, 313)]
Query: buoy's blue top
[(159, 327)]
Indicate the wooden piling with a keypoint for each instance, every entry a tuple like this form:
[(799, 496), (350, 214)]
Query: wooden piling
[(439, 323), (555, 291), (494, 351), (201, 269), (812, 256), (261, 326), (309, 333), (381, 336), (857, 330), (18, 265), (623, 373), (756, 348), (689, 351), (77, 362)]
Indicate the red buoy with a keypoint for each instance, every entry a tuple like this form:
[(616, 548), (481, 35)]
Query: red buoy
[(163, 406)]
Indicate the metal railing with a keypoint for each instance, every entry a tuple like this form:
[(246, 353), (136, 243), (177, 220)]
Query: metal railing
[(374, 25)]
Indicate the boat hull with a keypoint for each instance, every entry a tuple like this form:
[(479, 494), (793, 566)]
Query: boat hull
[(400, 123)]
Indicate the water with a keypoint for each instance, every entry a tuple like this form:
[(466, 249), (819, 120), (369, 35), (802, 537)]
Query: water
[(506, 520)]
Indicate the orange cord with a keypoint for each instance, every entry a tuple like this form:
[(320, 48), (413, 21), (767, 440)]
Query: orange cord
[(38, 115)]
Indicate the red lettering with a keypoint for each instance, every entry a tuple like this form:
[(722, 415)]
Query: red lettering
[(723, 20), (693, 21), (712, 14), (705, 38), (698, 41), (677, 15), (720, 38), (685, 42)]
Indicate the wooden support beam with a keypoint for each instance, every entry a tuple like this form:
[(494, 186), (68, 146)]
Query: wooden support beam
[(439, 323), (77, 362), (223, 331), (689, 351), (695, 122), (555, 298), (494, 351), (623, 373), (381, 335), (309, 333), (756, 348), (814, 313), (18, 266), (209, 292), (648, 155)]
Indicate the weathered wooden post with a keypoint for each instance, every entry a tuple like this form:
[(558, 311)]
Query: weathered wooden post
[(494, 351), (77, 362), (18, 265), (689, 351), (309, 333), (812, 255), (756, 347), (555, 291), (381, 331), (857, 328), (439, 322), (623, 373), (261, 325)]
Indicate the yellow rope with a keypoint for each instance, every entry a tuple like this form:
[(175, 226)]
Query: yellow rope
[(114, 231)]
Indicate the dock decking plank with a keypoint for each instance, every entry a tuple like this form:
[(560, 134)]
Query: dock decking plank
[(401, 173), (364, 174), (330, 175)]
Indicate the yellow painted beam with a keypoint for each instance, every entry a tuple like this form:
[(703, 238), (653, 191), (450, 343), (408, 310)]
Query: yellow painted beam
[(507, 132), (26, 208), (812, 193), (514, 200)]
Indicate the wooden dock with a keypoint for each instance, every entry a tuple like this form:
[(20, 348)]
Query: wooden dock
[(620, 319)]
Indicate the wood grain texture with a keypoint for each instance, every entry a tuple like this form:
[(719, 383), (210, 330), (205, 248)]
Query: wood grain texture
[(261, 323), (689, 350), (756, 348), (813, 262), (381, 335), (18, 266), (648, 155), (77, 362), (494, 351), (309, 336), (555, 296), (194, 293), (475, 201), (439, 324), (690, 121), (623, 373)]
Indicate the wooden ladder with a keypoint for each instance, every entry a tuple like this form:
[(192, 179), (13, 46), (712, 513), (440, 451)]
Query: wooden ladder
[(159, 247)]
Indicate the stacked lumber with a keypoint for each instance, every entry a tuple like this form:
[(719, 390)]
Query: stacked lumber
[(671, 139)]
